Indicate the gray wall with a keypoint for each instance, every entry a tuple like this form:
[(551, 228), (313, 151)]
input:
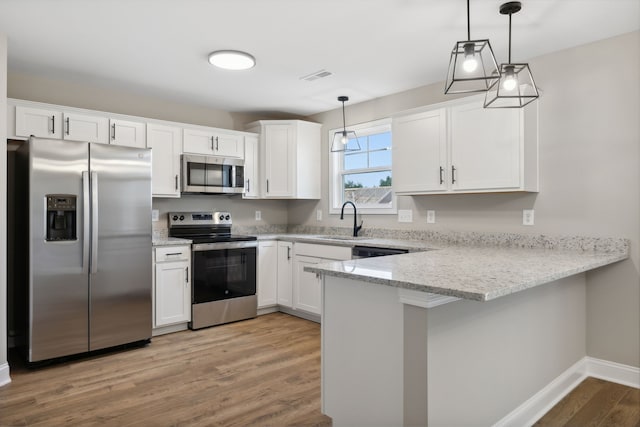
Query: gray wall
[(589, 177)]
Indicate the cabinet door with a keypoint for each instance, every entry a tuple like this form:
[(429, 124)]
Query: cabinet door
[(165, 141), (126, 133), (279, 160), (285, 274), (173, 293), (420, 153), (228, 145), (267, 274), (38, 122), (198, 142), (307, 293), (251, 184), (81, 127), (485, 148)]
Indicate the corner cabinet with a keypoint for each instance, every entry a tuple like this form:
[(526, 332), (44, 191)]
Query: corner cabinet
[(267, 288), (285, 274), (251, 168), (462, 147), (172, 286), (165, 142), (290, 152)]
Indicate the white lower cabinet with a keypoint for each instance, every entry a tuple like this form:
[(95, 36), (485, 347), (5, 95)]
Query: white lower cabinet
[(285, 274), (267, 288), (172, 286)]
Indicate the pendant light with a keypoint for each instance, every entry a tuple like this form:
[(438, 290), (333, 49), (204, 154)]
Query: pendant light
[(344, 140), (516, 87), (472, 66)]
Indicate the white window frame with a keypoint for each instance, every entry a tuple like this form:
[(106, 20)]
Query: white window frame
[(335, 169)]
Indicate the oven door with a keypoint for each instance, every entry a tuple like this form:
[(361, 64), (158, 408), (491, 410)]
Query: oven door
[(223, 271)]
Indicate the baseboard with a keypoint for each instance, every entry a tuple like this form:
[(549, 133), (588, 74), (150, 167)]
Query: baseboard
[(613, 372), (4, 374), (540, 403)]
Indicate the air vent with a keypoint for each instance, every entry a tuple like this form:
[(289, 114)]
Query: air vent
[(317, 75)]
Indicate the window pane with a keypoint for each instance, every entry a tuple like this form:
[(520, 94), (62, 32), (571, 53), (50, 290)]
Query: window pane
[(368, 188), (380, 158), (355, 160), (380, 140)]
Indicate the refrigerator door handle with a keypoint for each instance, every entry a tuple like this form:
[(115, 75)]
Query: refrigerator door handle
[(94, 222), (86, 222)]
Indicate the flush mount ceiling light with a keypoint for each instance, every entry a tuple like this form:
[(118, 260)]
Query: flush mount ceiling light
[(516, 87), (232, 60), (344, 140), (472, 66)]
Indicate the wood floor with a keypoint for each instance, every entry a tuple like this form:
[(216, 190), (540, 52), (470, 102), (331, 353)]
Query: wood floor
[(596, 403), (260, 372)]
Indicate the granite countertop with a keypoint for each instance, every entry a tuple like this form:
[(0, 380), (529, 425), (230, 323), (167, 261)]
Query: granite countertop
[(170, 241), (473, 273), (349, 241)]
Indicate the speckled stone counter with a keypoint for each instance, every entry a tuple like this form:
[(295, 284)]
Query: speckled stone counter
[(474, 273), (170, 241)]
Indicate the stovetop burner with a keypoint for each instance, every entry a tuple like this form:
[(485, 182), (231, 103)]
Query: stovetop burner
[(204, 227)]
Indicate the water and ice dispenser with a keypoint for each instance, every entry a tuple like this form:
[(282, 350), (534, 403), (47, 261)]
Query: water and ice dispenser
[(61, 217)]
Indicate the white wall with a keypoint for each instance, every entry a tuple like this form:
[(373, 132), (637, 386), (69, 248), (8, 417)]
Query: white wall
[(4, 368), (589, 177)]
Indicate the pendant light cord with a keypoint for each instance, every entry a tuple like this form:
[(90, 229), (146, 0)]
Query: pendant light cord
[(510, 38), (468, 23), (344, 121)]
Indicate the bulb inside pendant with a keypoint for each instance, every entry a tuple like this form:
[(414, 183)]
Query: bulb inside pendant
[(510, 82), (344, 139), (470, 63)]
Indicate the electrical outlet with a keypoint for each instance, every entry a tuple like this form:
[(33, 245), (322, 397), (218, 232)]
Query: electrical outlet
[(405, 215), (155, 215), (319, 215), (527, 217), (258, 215), (431, 217)]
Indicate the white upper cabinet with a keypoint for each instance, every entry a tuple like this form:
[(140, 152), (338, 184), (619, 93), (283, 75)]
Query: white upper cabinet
[(289, 158), (38, 122), (127, 133), (213, 142), (165, 142), (251, 168), (82, 127), (461, 147)]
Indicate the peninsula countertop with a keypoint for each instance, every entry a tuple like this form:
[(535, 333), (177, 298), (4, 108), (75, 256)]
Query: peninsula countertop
[(473, 273)]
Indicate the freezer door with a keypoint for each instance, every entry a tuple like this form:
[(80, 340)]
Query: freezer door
[(121, 259), (58, 274)]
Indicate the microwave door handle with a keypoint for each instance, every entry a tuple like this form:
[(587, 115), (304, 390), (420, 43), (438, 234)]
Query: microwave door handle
[(86, 221), (94, 222)]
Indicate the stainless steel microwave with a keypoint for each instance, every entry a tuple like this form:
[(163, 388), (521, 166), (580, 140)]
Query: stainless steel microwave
[(206, 174)]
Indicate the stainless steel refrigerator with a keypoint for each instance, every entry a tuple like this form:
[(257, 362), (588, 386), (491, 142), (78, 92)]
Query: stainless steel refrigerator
[(85, 212)]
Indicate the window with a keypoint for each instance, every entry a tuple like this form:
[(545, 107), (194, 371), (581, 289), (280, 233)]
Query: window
[(364, 177)]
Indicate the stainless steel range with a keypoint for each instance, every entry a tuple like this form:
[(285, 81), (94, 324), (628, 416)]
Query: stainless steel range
[(223, 268)]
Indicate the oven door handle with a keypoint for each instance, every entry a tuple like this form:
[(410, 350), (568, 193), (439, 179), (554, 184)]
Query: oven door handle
[(199, 247)]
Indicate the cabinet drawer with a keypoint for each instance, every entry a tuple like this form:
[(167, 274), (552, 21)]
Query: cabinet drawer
[(173, 253)]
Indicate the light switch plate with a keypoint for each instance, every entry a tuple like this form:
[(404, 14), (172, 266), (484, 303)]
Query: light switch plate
[(258, 215), (405, 215), (155, 215), (527, 217), (431, 217), (319, 215)]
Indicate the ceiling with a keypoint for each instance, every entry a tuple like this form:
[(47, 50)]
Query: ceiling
[(372, 47)]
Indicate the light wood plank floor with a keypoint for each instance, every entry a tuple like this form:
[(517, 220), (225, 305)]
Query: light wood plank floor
[(264, 371), (596, 403), (261, 372)]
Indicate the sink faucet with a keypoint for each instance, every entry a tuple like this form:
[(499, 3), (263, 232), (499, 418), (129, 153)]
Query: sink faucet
[(356, 227)]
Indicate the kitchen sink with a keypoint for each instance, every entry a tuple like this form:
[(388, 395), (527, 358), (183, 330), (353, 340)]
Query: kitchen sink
[(344, 237)]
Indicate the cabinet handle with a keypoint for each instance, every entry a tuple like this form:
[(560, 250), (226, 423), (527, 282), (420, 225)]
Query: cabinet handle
[(113, 135), (288, 252), (68, 125), (441, 175), (174, 253), (248, 185), (186, 275), (53, 124), (453, 174), (212, 144), (267, 186), (217, 144), (176, 182)]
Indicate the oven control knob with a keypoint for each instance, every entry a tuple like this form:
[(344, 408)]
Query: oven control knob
[(175, 217), (221, 217), (228, 217), (181, 217)]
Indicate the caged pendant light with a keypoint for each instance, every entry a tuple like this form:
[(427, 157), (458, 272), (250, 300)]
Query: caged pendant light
[(516, 87), (344, 140), (472, 66)]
